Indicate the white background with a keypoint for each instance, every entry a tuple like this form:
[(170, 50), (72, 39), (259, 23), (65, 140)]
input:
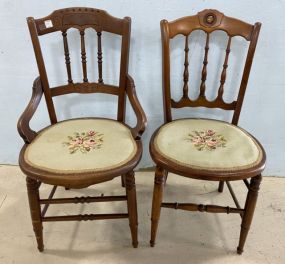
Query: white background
[(263, 111)]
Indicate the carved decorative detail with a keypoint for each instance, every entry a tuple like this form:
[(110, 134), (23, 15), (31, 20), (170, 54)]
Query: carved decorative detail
[(210, 18)]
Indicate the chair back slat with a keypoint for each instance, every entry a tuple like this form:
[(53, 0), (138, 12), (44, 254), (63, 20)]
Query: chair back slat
[(67, 57), (100, 57), (204, 70), (83, 56), (186, 70), (224, 71)]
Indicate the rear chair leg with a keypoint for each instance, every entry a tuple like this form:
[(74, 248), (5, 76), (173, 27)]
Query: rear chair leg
[(166, 176), (123, 180), (159, 182), (35, 209), (132, 206), (221, 186), (249, 210)]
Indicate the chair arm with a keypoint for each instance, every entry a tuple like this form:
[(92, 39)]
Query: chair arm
[(24, 121), (138, 130)]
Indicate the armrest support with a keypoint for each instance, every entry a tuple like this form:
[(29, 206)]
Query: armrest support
[(138, 130), (24, 121)]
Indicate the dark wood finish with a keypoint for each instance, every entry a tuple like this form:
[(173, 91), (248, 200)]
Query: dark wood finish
[(233, 195), (186, 71), (209, 208), (139, 129), (24, 121), (84, 217), (35, 209), (49, 199), (100, 57), (62, 20), (249, 211), (84, 88), (67, 57), (224, 72), (83, 56), (221, 186), (207, 21), (84, 199), (159, 182), (204, 70), (132, 206)]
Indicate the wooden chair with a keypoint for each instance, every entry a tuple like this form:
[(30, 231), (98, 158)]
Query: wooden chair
[(77, 153), (206, 149)]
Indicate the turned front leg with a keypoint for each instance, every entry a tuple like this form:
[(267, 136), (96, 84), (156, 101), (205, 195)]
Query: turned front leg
[(159, 181), (132, 206), (249, 210), (35, 209)]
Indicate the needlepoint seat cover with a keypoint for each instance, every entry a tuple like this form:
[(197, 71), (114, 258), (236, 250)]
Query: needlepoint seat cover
[(208, 145), (81, 145)]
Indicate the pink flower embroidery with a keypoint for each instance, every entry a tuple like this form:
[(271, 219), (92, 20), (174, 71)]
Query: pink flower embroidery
[(84, 142), (207, 140), (91, 133)]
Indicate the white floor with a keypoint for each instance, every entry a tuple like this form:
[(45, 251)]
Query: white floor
[(183, 237)]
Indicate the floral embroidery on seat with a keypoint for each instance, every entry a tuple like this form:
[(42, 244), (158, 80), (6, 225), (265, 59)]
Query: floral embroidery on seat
[(207, 140), (84, 142)]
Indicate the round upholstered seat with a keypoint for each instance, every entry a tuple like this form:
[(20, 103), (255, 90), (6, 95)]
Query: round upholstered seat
[(203, 146), (81, 148)]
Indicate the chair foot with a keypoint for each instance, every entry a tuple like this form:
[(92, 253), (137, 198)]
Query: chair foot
[(35, 209), (135, 245), (239, 250), (159, 182), (132, 206), (221, 186), (249, 211), (66, 188)]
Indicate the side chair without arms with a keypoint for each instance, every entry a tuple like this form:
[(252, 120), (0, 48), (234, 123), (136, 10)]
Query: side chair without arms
[(77, 153), (207, 149)]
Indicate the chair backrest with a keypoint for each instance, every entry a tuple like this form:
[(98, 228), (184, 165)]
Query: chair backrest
[(207, 21), (82, 18)]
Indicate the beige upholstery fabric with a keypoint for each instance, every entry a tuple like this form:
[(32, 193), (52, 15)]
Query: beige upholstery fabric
[(49, 152), (240, 151)]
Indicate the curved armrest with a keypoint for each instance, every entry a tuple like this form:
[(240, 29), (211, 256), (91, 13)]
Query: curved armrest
[(138, 130), (24, 121)]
